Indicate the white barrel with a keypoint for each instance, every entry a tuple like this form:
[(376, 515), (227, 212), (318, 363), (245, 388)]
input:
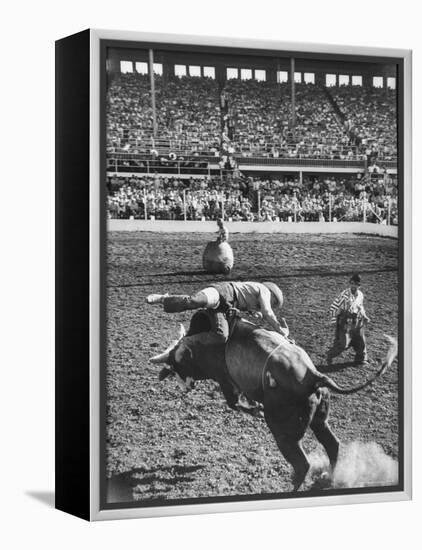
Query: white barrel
[(218, 258)]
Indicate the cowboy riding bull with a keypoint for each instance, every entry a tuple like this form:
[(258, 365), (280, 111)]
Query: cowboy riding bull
[(271, 370)]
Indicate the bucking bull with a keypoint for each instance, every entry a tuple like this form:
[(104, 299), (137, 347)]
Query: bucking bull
[(270, 370)]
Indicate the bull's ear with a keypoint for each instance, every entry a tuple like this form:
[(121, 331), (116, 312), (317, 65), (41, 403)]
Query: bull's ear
[(183, 355)]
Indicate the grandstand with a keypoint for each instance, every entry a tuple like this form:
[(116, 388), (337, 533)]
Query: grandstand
[(196, 136)]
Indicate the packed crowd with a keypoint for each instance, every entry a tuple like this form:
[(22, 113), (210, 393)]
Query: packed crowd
[(249, 118), (165, 198), (187, 114), (371, 117), (257, 117), (276, 199), (336, 199), (318, 132), (261, 121)]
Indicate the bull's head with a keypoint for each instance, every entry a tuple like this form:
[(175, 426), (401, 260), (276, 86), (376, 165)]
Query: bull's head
[(178, 356)]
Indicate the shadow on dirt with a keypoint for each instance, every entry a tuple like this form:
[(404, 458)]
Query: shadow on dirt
[(335, 367), (300, 272), (159, 480), (175, 273)]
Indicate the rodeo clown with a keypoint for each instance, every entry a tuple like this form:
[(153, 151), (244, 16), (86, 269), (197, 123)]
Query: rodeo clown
[(222, 233), (348, 314), (258, 299)]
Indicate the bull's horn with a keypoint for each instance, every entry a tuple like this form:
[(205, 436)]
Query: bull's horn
[(162, 357)]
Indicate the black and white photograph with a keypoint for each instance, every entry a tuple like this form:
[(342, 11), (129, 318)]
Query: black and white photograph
[(210, 268), (253, 290), (210, 275)]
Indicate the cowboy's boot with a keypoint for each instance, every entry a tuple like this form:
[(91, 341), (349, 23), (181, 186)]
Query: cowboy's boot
[(175, 304)]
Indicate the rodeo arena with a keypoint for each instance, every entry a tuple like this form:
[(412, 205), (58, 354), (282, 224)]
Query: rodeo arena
[(252, 276)]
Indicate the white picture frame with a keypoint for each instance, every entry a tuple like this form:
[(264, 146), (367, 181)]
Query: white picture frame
[(83, 55)]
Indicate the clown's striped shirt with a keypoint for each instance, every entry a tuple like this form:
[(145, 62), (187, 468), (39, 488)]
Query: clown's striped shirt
[(346, 301)]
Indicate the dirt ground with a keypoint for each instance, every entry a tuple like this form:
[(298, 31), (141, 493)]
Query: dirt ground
[(165, 444)]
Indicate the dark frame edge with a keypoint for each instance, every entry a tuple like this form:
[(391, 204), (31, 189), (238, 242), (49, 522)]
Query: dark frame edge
[(72, 336)]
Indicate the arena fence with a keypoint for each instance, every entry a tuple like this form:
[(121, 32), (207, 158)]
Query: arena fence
[(205, 164), (265, 212), (309, 162), (168, 226)]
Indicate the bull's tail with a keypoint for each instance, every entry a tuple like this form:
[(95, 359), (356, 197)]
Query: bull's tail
[(326, 382)]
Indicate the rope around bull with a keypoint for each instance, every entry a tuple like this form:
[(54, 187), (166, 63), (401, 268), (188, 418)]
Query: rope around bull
[(266, 363), (233, 317)]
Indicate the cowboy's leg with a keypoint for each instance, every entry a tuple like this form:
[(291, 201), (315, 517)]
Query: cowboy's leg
[(206, 298), (359, 345), (220, 329), (220, 326), (340, 342), (220, 333)]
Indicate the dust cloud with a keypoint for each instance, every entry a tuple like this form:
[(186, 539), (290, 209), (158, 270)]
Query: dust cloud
[(359, 465)]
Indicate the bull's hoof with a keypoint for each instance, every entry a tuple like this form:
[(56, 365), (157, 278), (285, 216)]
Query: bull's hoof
[(299, 478), (249, 406), (246, 403), (322, 482), (256, 412)]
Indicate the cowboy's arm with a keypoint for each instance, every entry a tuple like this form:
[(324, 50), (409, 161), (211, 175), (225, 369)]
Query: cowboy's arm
[(362, 308), (335, 308), (269, 315), (276, 325), (364, 316)]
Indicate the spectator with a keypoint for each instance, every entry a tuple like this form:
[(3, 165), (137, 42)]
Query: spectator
[(280, 198)]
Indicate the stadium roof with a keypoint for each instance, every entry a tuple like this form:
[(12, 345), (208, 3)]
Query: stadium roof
[(322, 63)]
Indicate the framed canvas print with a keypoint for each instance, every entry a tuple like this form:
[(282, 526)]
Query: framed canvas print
[(233, 274)]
